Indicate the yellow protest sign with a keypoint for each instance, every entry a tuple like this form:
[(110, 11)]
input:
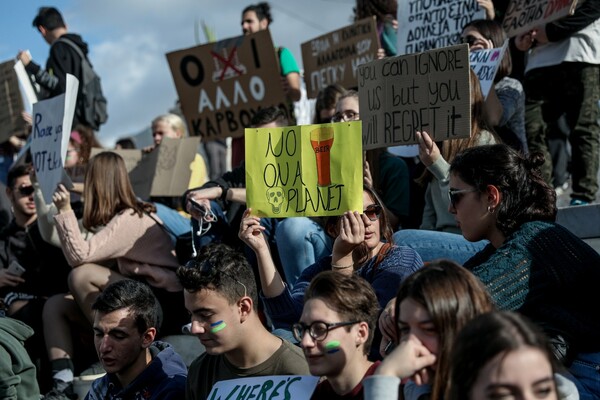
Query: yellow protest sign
[(308, 170)]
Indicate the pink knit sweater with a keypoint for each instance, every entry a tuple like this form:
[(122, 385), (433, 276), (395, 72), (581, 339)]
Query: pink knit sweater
[(140, 247)]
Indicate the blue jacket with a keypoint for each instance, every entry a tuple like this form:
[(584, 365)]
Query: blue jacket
[(164, 378)]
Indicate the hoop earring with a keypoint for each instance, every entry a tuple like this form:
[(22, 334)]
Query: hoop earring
[(491, 210)]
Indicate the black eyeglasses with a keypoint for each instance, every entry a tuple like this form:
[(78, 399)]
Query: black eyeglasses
[(456, 194), (207, 268), (26, 190), (347, 115), (318, 330), (469, 39), (373, 212)]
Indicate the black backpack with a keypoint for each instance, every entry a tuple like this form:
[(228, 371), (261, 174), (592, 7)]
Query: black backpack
[(91, 107)]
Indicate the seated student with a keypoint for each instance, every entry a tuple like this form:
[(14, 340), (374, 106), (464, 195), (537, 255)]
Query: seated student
[(503, 355), (221, 296), (127, 317), (17, 372), (336, 332)]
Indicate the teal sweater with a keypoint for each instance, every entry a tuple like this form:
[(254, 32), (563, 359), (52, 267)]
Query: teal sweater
[(548, 274)]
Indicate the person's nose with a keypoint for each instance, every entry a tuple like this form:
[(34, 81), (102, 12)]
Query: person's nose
[(105, 345), (307, 341), (198, 328)]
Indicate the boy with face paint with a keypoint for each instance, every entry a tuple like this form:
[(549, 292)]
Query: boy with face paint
[(221, 296), (336, 332)]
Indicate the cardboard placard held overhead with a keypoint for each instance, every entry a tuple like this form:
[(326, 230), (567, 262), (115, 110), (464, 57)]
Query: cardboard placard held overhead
[(420, 92), (221, 85), (166, 171), (335, 56), (524, 15), (11, 102), (425, 24), (307, 170)]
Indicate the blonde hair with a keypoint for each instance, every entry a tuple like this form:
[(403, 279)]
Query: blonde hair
[(174, 121)]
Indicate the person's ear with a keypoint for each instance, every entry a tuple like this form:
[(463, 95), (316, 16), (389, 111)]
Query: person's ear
[(494, 196), (245, 307), (264, 24), (362, 333), (148, 337)]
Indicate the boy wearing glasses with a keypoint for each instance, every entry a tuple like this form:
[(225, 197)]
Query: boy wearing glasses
[(221, 296), (336, 331)]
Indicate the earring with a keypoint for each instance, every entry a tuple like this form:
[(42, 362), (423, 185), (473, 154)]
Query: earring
[(491, 209)]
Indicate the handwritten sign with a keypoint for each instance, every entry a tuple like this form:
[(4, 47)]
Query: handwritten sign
[(308, 170), (524, 15), (428, 24), (279, 387), (335, 56), (49, 145), (11, 103), (428, 91), (166, 171), (485, 63), (221, 85)]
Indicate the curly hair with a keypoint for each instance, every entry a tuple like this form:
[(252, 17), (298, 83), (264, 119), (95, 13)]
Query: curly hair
[(525, 195)]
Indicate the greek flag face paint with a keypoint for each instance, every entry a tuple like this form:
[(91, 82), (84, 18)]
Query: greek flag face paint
[(333, 346), (217, 326)]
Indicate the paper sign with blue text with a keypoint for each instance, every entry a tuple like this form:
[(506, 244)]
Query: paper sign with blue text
[(431, 24), (51, 118), (485, 64), (304, 171), (428, 91), (279, 387)]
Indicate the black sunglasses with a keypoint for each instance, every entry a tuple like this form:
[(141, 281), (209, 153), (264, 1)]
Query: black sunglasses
[(26, 190), (456, 194), (469, 39), (373, 212)]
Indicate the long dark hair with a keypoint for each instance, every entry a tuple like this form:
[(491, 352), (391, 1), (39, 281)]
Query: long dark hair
[(492, 30), (484, 338), (525, 194)]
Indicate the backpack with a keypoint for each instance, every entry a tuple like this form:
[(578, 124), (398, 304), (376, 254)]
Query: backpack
[(91, 107)]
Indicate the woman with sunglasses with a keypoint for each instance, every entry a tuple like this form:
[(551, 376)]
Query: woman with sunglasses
[(362, 246), (531, 265), (335, 332), (508, 92)]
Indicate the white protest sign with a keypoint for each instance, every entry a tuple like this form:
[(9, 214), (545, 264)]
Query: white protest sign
[(277, 387), (49, 146), (29, 96), (485, 64), (431, 24), (524, 15)]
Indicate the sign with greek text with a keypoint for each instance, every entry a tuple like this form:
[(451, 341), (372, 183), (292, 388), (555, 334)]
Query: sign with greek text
[(430, 24), (49, 145), (335, 56), (428, 91), (11, 103), (304, 171), (221, 85), (485, 64), (278, 387), (524, 15)]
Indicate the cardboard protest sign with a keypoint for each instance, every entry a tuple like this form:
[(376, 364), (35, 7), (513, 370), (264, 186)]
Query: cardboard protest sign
[(430, 24), (221, 85), (335, 56), (166, 171), (524, 15), (279, 387), (308, 170), (51, 118), (485, 64), (11, 102), (421, 92)]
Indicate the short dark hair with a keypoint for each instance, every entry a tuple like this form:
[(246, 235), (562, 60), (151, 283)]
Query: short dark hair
[(348, 295), (15, 173), (483, 339), (134, 295), (269, 114), (262, 10), (48, 17), (219, 267), (526, 196)]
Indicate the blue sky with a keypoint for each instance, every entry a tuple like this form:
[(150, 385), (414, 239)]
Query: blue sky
[(128, 41)]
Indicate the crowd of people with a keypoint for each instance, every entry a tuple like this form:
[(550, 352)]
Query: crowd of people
[(485, 296)]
